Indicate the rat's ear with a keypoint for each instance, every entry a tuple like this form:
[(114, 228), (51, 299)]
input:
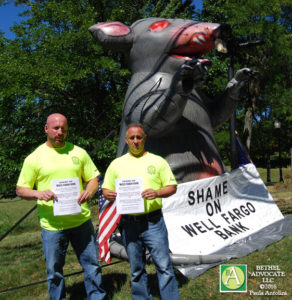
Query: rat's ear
[(113, 35)]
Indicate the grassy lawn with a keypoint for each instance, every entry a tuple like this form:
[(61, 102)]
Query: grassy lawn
[(281, 192), (22, 263)]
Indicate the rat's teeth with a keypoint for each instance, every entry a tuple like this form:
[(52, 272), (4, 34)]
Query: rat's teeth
[(220, 46)]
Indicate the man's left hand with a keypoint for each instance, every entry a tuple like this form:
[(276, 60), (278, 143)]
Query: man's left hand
[(149, 194), (84, 197)]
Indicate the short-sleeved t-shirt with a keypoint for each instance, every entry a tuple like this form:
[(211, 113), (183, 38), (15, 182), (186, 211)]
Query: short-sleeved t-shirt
[(46, 164), (153, 169)]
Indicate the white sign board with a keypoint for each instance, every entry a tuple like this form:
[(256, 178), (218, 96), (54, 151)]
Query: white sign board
[(208, 214)]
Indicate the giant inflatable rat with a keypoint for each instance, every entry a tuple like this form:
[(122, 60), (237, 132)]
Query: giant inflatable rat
[(163, 95)]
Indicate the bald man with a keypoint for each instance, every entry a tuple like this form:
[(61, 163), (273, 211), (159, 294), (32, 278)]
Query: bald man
[(59, 169)]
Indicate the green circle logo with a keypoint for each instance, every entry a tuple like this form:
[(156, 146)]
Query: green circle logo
[(233, 277), (75, 160), (151, 170)]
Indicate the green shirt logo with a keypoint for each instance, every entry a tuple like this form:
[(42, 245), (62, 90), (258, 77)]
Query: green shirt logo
[(151, 170), (75, 160)]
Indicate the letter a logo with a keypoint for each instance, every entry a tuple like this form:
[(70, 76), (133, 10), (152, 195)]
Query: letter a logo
[(233, 278)]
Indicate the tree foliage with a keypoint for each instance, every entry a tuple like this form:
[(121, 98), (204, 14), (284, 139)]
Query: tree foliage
[(54, 65), (269, 98)]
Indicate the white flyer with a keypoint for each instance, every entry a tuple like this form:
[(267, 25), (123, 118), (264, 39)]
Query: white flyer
[(67, 191), (129, 199)]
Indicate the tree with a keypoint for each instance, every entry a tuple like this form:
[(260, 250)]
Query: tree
[(54, 65), (269, 97)]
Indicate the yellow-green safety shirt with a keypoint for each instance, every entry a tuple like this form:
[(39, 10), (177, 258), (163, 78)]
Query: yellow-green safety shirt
[(154, 170), (46, 164)]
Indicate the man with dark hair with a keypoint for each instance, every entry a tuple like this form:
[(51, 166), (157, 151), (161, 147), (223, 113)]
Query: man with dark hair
[(59, 163), (147, 229)]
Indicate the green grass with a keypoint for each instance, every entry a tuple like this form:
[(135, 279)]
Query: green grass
[(280, 191), (21, 261), (275, 175)]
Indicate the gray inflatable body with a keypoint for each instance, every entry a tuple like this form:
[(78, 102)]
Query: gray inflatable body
[(163, 95)]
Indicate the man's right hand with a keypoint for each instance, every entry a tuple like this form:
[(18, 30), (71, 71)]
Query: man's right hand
[(30, 194)]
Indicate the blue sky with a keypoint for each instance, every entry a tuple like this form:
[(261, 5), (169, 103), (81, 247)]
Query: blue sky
[(9, 15)]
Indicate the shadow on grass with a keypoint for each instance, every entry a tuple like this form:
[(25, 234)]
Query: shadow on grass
[(153, 282), (181, 280), (112, 283), (76, 291)]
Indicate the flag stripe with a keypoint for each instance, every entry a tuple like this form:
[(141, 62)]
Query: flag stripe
[(105, 212), (103, 238), (108, 221)]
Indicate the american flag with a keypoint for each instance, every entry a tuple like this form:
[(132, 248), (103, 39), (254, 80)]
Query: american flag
[(108, 221), (242, 154)]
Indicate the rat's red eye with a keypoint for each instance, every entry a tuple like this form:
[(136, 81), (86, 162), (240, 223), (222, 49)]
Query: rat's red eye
[(159, 25)]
